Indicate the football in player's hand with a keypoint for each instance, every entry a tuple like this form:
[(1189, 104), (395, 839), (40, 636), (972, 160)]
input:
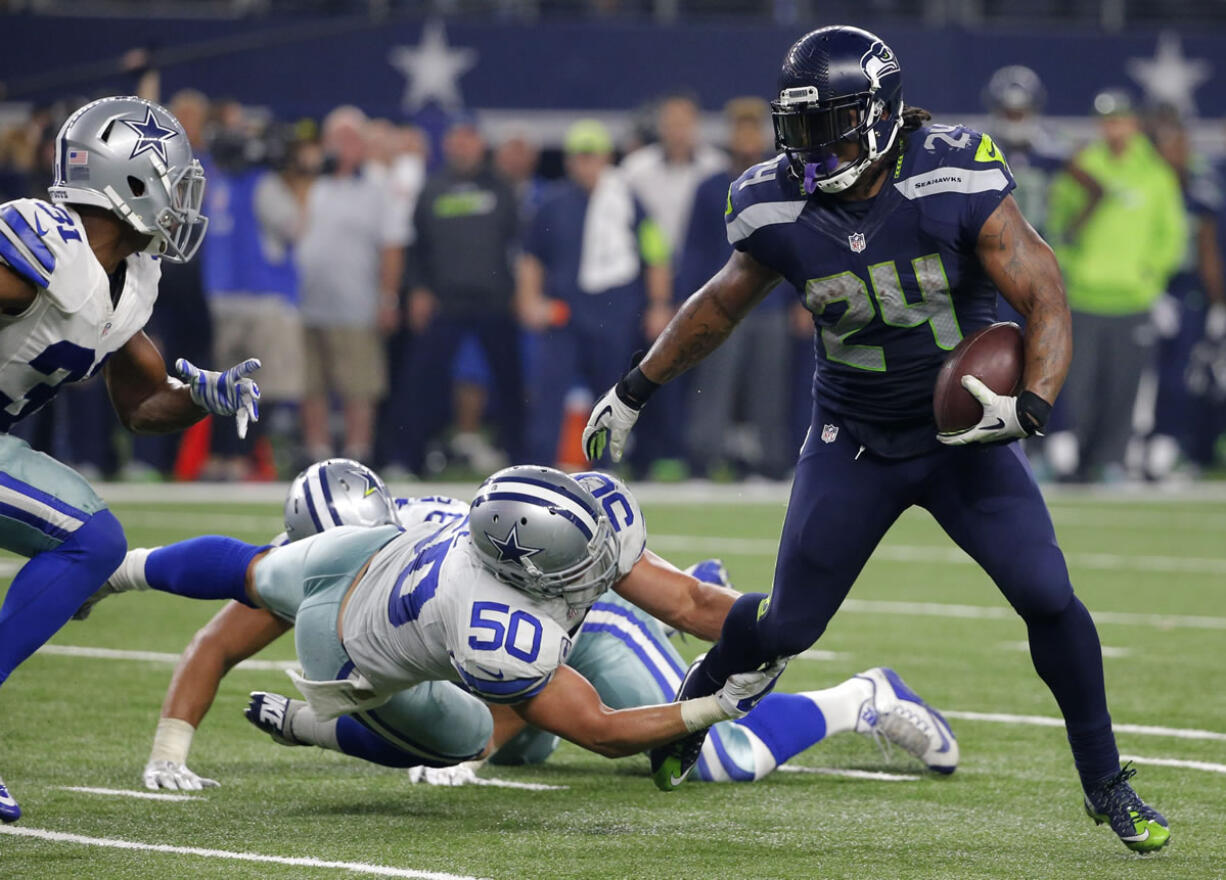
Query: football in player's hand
[(994, 356)]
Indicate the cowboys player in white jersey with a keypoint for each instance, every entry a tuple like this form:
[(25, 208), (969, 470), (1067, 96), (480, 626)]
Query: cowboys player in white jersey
[(78, 280), (620, 649)]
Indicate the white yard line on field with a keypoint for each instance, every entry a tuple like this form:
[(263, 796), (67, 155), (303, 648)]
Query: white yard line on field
[(123, 792), (1049, 721), (151, 657), (850, 774), (296, 861), (526, 786), (995, 612), (945, 554), (1108, 651), (1176, 762), (822, 656)]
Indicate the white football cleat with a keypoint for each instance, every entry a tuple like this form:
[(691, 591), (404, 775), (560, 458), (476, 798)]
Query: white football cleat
[(899, 715)]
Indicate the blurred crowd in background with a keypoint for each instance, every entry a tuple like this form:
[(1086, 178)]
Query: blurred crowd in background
[(434, 304)]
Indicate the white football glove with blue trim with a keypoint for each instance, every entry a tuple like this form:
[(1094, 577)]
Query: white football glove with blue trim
[(230, 393), (744, 690)]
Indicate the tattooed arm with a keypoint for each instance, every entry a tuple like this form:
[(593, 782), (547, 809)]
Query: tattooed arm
[(702, 323), (1023, 267), (707, 317)]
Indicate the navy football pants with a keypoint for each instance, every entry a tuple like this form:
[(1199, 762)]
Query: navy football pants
[(987, 500)]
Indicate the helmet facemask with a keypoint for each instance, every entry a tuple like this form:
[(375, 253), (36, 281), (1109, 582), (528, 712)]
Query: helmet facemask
[(180, 227), (816, 135)]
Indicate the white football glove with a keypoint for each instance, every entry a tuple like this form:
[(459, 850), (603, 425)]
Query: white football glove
[(176, 777), (230, 393), (610, 424), (999, 422), (742, 691), (460, 774)]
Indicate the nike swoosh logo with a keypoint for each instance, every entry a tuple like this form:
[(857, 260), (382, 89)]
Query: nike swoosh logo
[(677, 780), (1138, 838), (1000, 423), (38, 226), (498, 674)]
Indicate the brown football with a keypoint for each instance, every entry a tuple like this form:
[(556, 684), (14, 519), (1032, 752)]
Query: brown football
[(994, 356)]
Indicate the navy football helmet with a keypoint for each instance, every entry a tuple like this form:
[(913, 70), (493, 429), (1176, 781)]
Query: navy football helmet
[(840, 87)]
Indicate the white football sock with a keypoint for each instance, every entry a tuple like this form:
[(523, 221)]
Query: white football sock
[(841, 704), (304, 726)]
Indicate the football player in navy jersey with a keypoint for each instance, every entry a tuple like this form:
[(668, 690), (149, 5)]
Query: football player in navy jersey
[(899, 233)]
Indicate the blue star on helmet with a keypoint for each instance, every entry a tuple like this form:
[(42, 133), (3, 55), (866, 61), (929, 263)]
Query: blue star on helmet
[(372, 483), (509, 548), (151, 136)]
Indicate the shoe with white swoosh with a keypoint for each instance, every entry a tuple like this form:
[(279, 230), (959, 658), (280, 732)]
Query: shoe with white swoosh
[(1138, 825), (899, 715), (9, 810), (671, 763)]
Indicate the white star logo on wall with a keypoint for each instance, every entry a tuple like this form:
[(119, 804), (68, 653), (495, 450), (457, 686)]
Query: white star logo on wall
[(1169, 77), (432, 69)]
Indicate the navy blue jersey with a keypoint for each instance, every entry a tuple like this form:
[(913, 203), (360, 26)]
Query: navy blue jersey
[(893, 282)]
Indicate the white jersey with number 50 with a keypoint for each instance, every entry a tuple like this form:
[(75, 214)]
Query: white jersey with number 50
[(72, 327), (427, 609)]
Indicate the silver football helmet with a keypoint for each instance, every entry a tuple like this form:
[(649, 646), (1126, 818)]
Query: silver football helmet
[(540, 531), (132, 157), (336, 492)]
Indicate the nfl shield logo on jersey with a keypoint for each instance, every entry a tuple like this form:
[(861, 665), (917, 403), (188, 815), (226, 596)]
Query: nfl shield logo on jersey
[(857, 242), (829, 433)]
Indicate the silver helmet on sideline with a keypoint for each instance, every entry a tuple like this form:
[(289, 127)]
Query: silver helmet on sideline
[(543, 533), (336, 492), (131, 156)]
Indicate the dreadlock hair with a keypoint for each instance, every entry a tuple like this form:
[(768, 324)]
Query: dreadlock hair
[(914, 118)]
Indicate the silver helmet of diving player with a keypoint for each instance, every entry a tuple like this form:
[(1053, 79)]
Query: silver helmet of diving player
[(540, 531), (336, 492), (132, 157)]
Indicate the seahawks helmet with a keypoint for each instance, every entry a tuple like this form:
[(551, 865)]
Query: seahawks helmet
[(336, 492), (132, 157), (540, 531), (839, 86)]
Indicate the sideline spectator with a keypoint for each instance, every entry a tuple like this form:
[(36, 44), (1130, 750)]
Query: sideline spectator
[(1117, 218), (460, 286), (664, 177), (1186, 425), (749, 372), (349, 262), (516, 159), (590, 256)]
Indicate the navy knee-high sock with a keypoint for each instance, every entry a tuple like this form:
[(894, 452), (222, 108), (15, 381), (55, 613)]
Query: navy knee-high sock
[(1068, 657), (210, 567), (52, 585), (738, 649)]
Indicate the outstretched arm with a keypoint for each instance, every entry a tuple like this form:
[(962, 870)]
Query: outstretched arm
[(234, 634), (1025, 271), (680, 600), (707, 318), (570, 707), (700, 325)]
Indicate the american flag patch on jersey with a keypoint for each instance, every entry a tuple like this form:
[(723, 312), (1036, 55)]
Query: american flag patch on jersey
[(78, 157)]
